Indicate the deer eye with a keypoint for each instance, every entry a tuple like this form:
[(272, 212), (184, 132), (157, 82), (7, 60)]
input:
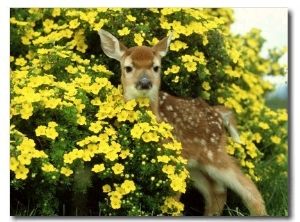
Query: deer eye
[(128, 69), (156, 68)]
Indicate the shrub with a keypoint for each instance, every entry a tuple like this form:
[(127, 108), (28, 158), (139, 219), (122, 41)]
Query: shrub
[(78, 148)]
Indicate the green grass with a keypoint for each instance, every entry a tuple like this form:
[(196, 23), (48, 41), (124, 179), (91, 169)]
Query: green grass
[(275, 189)]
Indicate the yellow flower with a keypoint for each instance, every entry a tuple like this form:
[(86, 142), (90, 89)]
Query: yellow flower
[(124, 153), (26, 146), (106, 188), (51, 133), (43, 51), (172, 207), (26, 111), (115, 203), (151, 136), (124, 31), (14, 163), (173, 146), (164, 159), (118, 168), (257, 137), (95, 127), (40, 130), (69, 157), (36, 81), (24, 159), (143, 102), (98, 168), (175, 69), (81, 120), (52, 103), (66, 171), (177, 45), (200, 57), (48, 167), (48, 25), (251, 149), (275, 139), (138, 39), (136, 132), (56, 12), (128, 185), (81, 46), (71, 69), (20, 62), (153, 42), (104, 147), (168, 169), (79, 105), (122, 116), (263, 125), (178, 183), (130, 104), (221, 100), (232, 103), (87, 155), (282, 116), (205, 40), (235, 54), (25, 41), (230, 149), (39, 154), (281, 158), (190, 66), (166, 11), (145, 126), (73, 24), (131, 18), (21, 172), (155, 10), (52, 124), (118, 193), (112, 155), (206, 86)]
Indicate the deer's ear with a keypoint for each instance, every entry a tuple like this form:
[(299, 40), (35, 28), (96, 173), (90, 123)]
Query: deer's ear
[(111, 46), (163, 45)]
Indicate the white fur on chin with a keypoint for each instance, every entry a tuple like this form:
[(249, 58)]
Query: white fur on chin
[(132, 92)]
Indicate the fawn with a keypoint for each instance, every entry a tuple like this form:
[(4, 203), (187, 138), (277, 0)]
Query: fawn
[(198, 126)]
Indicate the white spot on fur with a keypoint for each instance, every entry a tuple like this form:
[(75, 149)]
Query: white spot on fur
[(210, 155), (203, 142), (169, 108), (213, 140)]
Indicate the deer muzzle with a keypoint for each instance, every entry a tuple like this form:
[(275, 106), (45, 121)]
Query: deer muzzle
[(144, 83)]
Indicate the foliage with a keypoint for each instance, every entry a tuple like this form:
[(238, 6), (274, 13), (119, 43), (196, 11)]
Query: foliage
[(72, 134)]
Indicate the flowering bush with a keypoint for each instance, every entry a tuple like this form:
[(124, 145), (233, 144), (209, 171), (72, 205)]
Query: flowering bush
[(75, 142)]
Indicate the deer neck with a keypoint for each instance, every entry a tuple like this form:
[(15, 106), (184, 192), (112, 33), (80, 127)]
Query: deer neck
[(154, 107)]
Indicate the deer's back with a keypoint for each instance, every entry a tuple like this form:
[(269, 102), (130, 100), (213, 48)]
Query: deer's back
[(198, 126)]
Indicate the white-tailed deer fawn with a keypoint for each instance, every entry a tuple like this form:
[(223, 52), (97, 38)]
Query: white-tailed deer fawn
[(198, 126)]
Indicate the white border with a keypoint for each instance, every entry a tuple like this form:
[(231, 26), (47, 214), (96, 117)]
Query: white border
[(4, 79)]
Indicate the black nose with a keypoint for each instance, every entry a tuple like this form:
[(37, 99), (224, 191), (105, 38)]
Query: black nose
[(144, 83)]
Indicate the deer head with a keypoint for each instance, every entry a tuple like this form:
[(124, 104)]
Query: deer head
[(140, 67)]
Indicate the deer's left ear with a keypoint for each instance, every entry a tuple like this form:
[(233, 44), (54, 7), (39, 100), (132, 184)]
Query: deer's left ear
[(111, 46), (163, 45)]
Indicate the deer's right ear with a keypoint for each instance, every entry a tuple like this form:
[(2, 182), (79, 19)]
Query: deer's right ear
[(111, 46)]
